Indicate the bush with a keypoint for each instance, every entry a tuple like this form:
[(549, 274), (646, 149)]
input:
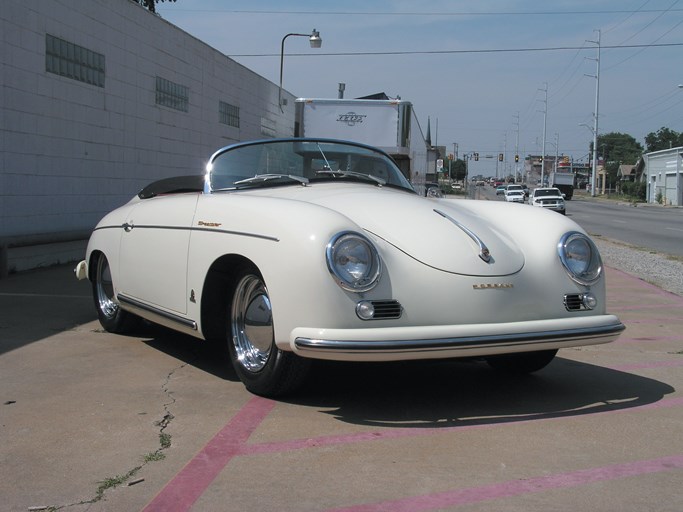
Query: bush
[(634, 190)]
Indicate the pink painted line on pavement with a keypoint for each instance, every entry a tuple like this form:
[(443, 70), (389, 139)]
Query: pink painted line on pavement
[(649, 339), (191, 482), (398, 433), (514, 488), (642, 307), (652, 321), (180, 494), (648, 366), (650, 287)]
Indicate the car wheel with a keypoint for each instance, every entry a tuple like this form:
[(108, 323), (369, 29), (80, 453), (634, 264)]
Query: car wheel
[(261, 366), (109, 313), (522, 362)]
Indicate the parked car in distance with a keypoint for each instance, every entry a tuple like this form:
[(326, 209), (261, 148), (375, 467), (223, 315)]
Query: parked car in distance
[(285, 251), (433, 190), (549, 198)]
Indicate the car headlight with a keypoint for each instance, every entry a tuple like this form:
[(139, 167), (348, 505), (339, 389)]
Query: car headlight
[(580, 258), (353, 261)]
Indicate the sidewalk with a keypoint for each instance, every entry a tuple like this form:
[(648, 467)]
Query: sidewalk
[(93, 421)]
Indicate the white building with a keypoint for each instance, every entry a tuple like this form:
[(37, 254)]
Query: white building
[(97, 99), (664, 174)]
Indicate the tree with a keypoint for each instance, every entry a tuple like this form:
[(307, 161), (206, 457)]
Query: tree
[(150, 3), (615, 149), (458, 170), (664, 138), (619, 147)]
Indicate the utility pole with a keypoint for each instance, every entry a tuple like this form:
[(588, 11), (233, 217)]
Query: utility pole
[(545, 118), (557, 150), (594, 172), (505, 158), (516, 147)]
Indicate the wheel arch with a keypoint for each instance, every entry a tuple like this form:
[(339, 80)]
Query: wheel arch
[(92, 263), (219, 285)]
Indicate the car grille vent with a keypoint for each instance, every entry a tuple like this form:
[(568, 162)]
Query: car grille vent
[(574, 302), (387, 309)]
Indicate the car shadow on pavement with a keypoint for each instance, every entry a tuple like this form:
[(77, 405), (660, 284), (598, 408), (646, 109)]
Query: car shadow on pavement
[(437, 394), (210, 357)]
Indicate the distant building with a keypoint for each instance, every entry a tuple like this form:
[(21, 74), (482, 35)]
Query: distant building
[(626, 172), (664, 174)]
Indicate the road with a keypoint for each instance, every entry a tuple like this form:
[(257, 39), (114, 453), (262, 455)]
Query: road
[(654, 227), (648, 226)]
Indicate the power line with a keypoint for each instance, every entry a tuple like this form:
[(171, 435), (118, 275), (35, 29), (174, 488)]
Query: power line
[(422, 13), (613, 27), (651, 22), (644, 48), (454, 52)]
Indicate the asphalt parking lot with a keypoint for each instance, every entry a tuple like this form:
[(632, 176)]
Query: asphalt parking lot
[(91, 421)]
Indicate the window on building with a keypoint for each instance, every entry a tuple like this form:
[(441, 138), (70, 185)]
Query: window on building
[(228, 114), (172, 95), (73, 61)]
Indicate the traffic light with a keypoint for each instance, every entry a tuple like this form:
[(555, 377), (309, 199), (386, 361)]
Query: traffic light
[(476, 157), (500, 157), (541, 160), (516, 158)]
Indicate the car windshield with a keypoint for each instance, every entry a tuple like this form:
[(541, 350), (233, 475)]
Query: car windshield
[(547, 192), (300, 162)]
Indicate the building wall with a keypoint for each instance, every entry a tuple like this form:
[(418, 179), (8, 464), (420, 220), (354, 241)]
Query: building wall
[(664, 171), (71, 151)]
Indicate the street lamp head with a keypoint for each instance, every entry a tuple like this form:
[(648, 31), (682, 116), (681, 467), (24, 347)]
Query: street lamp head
[(315, 40)]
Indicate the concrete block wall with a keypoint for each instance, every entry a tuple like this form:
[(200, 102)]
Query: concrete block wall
[(71, 151)]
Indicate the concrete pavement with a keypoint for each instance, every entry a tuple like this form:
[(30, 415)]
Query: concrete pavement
[(91, 421)]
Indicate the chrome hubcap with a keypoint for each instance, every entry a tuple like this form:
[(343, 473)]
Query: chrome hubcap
[(105, 289), (252, 324)]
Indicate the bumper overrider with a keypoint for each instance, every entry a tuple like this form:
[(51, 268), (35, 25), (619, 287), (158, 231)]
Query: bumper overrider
[(440, 342)]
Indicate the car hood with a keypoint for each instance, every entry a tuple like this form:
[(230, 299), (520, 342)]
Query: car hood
[(443, 234)]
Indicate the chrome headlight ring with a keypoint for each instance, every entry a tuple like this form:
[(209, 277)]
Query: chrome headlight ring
[(580, 258), (353, 261)]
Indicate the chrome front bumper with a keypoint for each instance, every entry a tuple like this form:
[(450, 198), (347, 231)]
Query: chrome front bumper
[(509, 338)]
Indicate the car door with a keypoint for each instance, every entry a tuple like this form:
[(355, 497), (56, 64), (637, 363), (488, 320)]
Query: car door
[(154, 249)]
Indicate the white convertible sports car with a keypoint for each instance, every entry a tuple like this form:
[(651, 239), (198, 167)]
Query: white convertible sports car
[(291, 250)]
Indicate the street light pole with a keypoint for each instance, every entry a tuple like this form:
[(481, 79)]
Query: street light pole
[(595, 127), (316, 42)]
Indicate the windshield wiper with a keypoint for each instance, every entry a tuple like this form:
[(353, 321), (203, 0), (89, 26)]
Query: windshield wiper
[(353, 174), (267, 177)]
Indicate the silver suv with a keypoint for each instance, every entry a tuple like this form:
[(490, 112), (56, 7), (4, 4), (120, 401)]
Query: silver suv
[(549, 198)]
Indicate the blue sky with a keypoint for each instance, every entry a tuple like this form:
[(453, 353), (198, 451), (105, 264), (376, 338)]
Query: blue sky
[(453, 60)]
